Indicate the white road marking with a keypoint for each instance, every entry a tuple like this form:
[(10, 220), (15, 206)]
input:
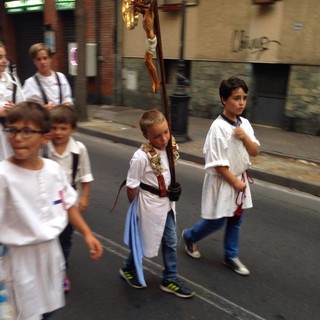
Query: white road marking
[(202, 293)]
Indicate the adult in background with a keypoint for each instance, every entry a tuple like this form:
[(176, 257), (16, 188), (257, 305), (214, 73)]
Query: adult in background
[(46, 87), (10, 93)]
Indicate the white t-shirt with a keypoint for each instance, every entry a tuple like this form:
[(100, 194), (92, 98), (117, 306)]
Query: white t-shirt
[(152, 210), (50, 86), (6, 89), (66, 161), (221, 148)]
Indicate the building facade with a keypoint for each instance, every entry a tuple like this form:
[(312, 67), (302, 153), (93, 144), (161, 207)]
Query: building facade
[(25, 22), (272, 44)]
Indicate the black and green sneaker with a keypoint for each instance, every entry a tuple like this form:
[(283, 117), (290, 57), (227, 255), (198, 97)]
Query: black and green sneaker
[(176, 287), (131, 277)]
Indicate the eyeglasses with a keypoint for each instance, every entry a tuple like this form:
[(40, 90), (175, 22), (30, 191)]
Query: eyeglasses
[(26, 133)]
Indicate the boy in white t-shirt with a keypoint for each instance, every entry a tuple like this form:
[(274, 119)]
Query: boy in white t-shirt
[(73, 156), (36, 202), (46, 87)]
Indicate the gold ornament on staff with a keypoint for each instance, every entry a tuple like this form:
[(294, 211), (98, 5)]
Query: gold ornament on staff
[(130, 11), (151, 25), (129, 14)]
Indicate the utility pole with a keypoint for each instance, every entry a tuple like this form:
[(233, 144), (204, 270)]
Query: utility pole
[(81, 80), (180, 98)]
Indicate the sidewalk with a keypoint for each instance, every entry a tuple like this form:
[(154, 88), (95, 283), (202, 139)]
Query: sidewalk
[(286, 158)]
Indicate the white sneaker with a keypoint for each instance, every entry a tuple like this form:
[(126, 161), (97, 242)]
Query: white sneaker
[(237, 266), (191, 247)]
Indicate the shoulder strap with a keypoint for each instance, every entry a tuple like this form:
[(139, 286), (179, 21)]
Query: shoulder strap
[(152, 153), (60, 90), (14, 91), (45, 151), (75, 161), (44, 97)]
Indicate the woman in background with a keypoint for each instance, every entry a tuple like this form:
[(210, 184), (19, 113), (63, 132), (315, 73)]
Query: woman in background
[(10, 94)]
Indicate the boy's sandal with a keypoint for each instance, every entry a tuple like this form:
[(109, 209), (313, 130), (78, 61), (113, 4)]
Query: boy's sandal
[(66, 284)]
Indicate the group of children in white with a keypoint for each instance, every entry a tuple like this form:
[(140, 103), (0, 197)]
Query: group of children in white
[(45, 181)]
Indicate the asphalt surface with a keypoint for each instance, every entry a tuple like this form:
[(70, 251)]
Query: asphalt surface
[(286, 158), (279, 244)]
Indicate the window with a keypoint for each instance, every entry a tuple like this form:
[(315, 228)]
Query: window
[(263, 2), (174, 5)]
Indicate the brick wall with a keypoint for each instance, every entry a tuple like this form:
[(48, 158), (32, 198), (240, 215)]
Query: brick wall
[(107, 37), (106, 45)]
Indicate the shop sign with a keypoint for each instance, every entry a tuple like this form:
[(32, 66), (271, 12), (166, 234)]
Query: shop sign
[(65, 4), (18, 6)]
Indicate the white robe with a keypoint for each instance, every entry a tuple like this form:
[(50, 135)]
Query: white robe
[(33, 213), (6, 95), (152, 210), (221, 148)]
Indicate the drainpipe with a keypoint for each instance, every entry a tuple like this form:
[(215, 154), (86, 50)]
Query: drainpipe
[(180, 98), (98, 57)]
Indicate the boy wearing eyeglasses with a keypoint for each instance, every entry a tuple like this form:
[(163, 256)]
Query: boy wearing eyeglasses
[(36, 202)]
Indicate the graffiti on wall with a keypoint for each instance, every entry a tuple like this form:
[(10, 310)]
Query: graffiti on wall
[(240, 41)]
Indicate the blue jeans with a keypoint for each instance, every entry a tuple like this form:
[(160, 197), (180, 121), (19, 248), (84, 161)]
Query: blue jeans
[(168, 249), (47, 315), (66, 242), (231, 236)]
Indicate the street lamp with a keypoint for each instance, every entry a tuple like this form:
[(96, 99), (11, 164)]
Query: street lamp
[(180, 98)]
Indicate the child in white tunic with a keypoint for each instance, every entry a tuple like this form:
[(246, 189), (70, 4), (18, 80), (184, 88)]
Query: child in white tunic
[(46, 87), (73, 156), (226, 192), (10, 93), (147, 183), (35, 203)]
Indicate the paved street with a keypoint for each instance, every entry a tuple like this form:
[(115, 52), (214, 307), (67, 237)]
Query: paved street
[(279, 243)]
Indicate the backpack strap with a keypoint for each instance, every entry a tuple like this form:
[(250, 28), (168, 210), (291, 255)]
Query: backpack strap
[(59, 84), (45, 151), (14, 91), (75, 162), (44, 96)]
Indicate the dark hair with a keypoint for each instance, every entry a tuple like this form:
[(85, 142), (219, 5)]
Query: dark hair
[(227, 86), (30, 111), (64, 114)]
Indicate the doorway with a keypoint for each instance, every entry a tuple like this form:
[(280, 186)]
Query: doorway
[(270, 81)]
